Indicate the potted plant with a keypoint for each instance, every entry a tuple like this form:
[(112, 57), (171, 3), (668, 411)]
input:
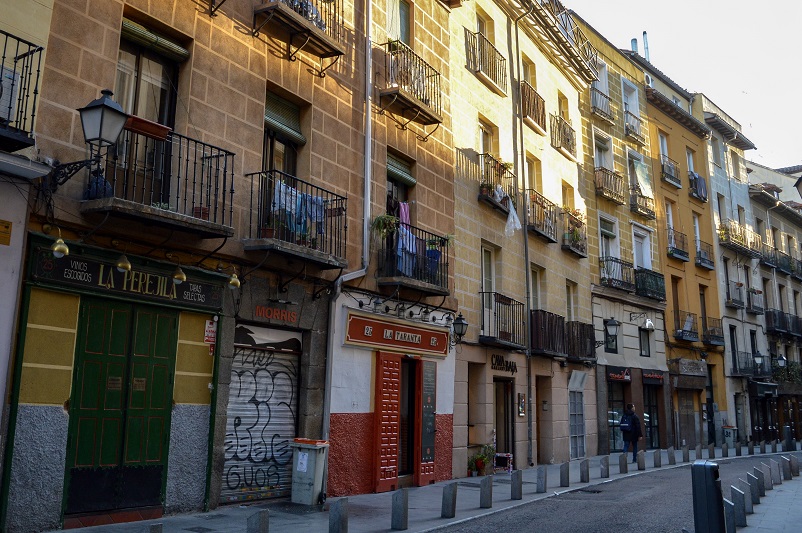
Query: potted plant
[(276, 229), (485, 188), (385, 225), (201, 212), (472, 466)]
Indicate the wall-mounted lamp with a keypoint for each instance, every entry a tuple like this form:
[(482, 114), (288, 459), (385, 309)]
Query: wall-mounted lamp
[(758, 358), (178, 275), (59, 248), (782, 361), (460, 326), (611, 330), (123, 264)]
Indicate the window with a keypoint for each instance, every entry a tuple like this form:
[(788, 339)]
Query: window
[(641, 247), (603, 154), (676, 101), (146, 84), (529, 73), (663, 143), (630, 94), (537, 275), (721, 206), (638, 175), (601, 84), (715, 147), (736, 165), (562, 106), (576, 416), (610, 341), (696, 231), (689, 157), (645, 347), (487, 138), (404, 19), (608, 242), (484, 25), (741, 215), (488, 288), (570, 301), (534, 175), (672, 241)]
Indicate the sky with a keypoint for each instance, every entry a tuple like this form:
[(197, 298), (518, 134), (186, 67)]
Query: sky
[(745, 57)]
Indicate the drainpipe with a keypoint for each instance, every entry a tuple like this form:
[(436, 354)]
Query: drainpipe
[(366, 201)]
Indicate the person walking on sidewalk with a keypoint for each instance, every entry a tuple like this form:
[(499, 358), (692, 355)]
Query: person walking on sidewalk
[(630, 430)]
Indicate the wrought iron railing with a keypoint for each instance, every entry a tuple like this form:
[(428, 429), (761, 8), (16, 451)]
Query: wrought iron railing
[(485, 59), (496, 179), (784, 263), (573, 33), (580, 339), (541, 216), (704, 255), (650, 284), (503, 318), (686, 326), (563, 137), (414, 253), (641, 204), (406, 70), (797, 269), (738, 237), (768, 255), (292, 210), (754, 302), (735, 295), (610, 185), (697, 186), (669, 171), (794, 325), (762, 369), (575, 235), (600, 104), (548, 333), (677, 244), (176, 174), (533, 106), (712, 331), (743, 364), (325, 15), (20, 68), (776, 322), (617, 273), (633, 126)]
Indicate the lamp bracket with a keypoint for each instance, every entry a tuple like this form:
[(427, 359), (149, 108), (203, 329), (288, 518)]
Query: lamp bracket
[(62, 173), (328, 287), (282, 286), (634, 316)]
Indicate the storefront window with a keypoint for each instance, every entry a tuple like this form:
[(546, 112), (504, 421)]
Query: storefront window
[(651, 432), (615, 410)]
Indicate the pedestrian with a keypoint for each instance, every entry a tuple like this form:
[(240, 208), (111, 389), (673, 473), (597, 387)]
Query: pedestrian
[(630, 430)]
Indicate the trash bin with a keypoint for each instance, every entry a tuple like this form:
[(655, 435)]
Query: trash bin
[(730, 435), (308, 461)]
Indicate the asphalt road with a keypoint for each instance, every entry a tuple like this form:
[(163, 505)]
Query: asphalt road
[(655, 502)]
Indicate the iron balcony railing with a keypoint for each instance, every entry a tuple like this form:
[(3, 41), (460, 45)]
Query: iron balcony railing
[(541, 215), (486, 60), (563, 137), (754, 302), (735, 295), (797, 273), (743, 364), (575, 235), (686, 327), (617, 274), (669, 171), (768, 255), (697, 186), (414, 253), (580, 339), (497, 180), (407, 71), (712, 331), (20, 68), (738, 237), (640, 204), (763, 369), (533, 106), (677, 244), (650, 284), (633, 126), (175, 173), (564, 20), (600, 104), (502, 319), (794, 325), (289, 209), (610, 185), (704, 255), (325, 15), (784, 263), (776, 322), (548, 333)]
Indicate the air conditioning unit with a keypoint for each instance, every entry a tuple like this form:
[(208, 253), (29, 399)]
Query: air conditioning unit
[(648, 80)]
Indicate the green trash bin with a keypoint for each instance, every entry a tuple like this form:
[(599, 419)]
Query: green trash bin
[(308, 463)]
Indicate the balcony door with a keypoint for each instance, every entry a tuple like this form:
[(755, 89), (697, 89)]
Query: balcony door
[(488, 290), (642, 250)]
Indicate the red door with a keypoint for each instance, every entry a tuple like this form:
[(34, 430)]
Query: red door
[(388, 403)]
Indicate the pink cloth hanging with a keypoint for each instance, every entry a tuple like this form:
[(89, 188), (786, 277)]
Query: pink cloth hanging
[(403, 213)]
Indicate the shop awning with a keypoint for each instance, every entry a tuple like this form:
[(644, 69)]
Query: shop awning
[(763, 389)]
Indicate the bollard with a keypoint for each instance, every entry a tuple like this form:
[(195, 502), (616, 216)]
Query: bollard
[(776, 476), (258, 522), (744, 487), (584, 471), (739, 500), (641, 460), (753, 487), (725, 450), (789, 439), (729, 513), (698, 452), (761, 480), (763, 446), (622, 464), (786, 468), (711, 451), (686, 454), (338, 516), (708, 506), (449, 507), (751, 448), (738, 450), (774, 446), (565, 474), (486, 492), (157, 528), (672, 456), (605, 467), (657, 458), (517, 485), (794, 465), (541, 479), (767, 479), (399, 519)]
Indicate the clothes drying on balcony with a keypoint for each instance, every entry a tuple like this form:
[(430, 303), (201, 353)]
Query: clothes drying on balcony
[(403, 213), (298, 209), (513, 222), (406, 251)]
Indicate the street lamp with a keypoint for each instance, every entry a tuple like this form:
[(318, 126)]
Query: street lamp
[(758, 357), (782, 361), (460, 327), (611, 329)]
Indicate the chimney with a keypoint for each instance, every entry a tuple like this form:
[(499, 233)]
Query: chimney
[(634, 44), (645, 47)]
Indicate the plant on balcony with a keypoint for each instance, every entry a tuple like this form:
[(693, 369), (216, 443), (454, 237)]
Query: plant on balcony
[(577, 213), (435, 243), (753, 290), (385, 225), (485, 188), (791, 373)]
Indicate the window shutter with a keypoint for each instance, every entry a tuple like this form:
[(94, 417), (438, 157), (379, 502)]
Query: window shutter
[(136, 33), (284, 118), (400, 171)]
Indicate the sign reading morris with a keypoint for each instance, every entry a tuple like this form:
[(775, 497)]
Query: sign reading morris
[(366, 330)]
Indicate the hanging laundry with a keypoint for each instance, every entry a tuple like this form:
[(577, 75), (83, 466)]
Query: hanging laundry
[(403, 213), (317, 212), (302, 214), (406, 251)]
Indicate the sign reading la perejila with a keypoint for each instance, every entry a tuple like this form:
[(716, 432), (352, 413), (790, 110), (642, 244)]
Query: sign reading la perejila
[(94, 275)]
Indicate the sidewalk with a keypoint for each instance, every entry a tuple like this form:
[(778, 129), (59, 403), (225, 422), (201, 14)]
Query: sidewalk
[(372, 512)]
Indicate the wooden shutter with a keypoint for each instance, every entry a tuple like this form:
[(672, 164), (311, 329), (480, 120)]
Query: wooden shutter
[(387, 409)]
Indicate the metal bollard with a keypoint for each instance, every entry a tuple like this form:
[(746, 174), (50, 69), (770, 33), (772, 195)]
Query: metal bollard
[(708, 502)]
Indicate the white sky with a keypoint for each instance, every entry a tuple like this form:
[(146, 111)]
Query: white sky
[(744, 56)]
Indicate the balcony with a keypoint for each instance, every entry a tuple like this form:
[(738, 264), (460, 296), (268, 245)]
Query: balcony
[(314, 27), (503, 323), (768, 256), (776, 322), (610, 185), (642, 205), (169, 180), (794, 325), (743, 364), (548, 333), (739, 238), (533, 108), (735, 295), (563, 137), (497, 183), (669, 171), (650, 284), (712, 331), (541, 216), (575, 234), (564, 34), (600, 105), (617, 274), (797, 274), (704, 255), (412, 258), (412, 87), (580, 341), (20, 67), (697, 187), (296, 219), (754, 302), (762, 370), (677, 245), (784, 263), (486, 62), (633, 127), (685, 326)]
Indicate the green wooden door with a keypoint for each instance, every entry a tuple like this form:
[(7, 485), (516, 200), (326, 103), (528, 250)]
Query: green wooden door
[(120, 406)]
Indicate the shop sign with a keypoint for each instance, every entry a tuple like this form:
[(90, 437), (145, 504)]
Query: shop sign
[(691, 367), (618, 373), (364, 330), (497, 362), (275, 313), (146, 284), (652, 377), (210, 334)]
